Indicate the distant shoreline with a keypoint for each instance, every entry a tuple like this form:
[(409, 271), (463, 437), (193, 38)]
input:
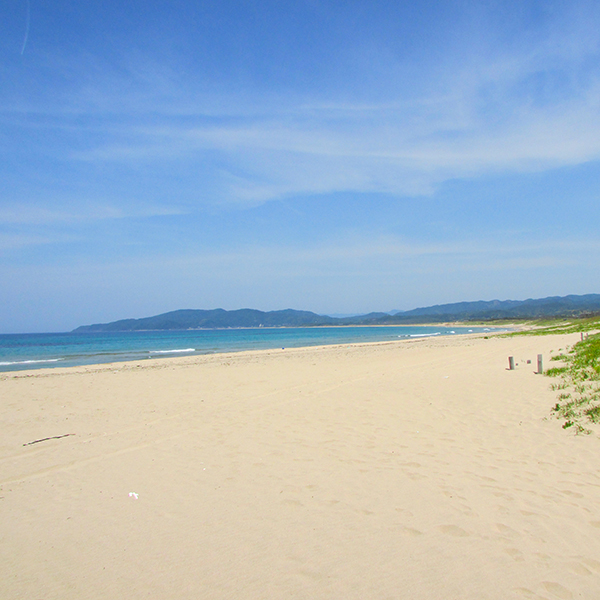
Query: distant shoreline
[(39, 351)]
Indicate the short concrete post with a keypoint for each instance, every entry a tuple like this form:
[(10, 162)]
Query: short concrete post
[(582, 336), (511, 363), (540, 367)]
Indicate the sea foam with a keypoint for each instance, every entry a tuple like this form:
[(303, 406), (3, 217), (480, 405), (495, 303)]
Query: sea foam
[(425, 334), (172, 351), (29, 362)]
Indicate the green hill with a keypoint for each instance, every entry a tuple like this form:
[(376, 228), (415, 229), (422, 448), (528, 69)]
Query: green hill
[(565, 306)]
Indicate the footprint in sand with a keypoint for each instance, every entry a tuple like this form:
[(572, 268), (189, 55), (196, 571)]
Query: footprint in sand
[(503, 495), (557, 590), (505, 530), (592, 564), (515, 554), (579, 569), (542, 558), (525, 592), (410, 531), (289, 502), (484, 478), (454, 495), (453, 530), (570, 493)]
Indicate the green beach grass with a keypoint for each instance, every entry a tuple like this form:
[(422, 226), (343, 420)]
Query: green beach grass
[(579, 384), (578, 372), (556, 326)]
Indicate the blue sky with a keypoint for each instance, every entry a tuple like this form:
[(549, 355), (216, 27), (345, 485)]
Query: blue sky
[(340, 157)]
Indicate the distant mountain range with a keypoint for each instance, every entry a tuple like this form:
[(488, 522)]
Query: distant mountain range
[(565, 306)]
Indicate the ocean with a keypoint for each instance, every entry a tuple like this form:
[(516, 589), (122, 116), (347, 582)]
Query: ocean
[(47, 350)]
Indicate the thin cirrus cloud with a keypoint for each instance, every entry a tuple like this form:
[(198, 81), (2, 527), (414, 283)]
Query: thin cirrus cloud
[(267, 160), (490, 106), (78, 213), (487, 118), (384, 254)]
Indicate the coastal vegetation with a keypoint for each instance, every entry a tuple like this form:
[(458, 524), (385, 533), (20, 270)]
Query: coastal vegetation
[(584, 324), (578, 372), (579, 384)]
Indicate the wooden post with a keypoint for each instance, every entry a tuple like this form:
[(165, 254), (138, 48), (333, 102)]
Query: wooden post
[(540, 367), (582, 336), (511, 363)]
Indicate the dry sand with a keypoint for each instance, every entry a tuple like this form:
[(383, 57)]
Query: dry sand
[(411, 470)]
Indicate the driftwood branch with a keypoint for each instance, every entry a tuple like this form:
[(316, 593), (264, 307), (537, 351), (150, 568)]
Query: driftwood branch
[(55, 437)]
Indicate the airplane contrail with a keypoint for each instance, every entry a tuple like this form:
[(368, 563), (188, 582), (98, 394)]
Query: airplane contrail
[(26, 28)]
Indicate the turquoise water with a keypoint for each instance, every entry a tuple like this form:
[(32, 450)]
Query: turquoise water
[(46, 350)]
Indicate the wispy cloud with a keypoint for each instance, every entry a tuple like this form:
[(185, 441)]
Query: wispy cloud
[(391, 254), (524, 105), (17, 241), (279, 157), (78, 213), (404, 148)]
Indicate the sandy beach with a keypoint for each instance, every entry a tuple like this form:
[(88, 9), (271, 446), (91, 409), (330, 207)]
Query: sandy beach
[(408, 470)]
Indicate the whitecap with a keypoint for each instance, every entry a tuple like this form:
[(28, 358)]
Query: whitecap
[(425, 334), (29, 362), (172, 351)]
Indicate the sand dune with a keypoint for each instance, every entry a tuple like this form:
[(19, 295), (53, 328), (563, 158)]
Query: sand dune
[(417, 470)]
